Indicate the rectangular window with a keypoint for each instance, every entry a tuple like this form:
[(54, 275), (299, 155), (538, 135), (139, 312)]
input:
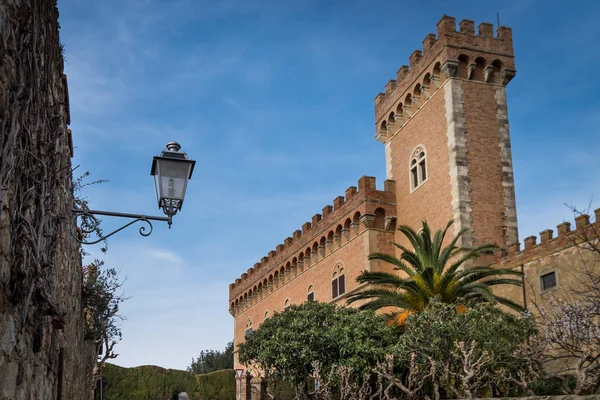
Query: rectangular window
[(342, 284), (311, 296), (334, 288), (423, 171), (415, 178), (548, 281)]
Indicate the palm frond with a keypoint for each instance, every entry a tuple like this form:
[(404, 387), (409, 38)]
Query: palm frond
[(509, 303), (381, 278)]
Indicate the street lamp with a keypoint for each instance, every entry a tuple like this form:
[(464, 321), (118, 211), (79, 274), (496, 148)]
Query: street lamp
[(171, 171)]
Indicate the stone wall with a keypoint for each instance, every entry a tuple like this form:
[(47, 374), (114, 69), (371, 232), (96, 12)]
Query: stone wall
[(42, 350), (564, 397)]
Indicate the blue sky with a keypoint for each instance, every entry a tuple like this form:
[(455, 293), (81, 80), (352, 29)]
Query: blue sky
[(274, 99)]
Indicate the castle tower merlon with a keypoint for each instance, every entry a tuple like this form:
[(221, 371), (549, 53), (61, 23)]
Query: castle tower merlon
[(530, 242), (402, 72), (350, 192), (546, 236), (391, 85), (316, 219), (467, 26), (548, 244), (445, 49), (429, 41), (414, 58), (486, 29), (366, 184), (338, 202), (306, 227), (327, 230)]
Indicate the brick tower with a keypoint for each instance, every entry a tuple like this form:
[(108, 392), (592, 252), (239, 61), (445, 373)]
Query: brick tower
[(444, 124)]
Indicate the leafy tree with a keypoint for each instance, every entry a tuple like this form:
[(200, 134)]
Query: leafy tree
[(461, 353), (287, 346), (212, 360), (432, 270), (101, 299)]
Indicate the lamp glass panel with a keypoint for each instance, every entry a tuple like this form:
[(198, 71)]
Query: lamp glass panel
[(173, 177)]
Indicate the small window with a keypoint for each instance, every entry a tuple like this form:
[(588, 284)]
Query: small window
[(266, 314), (548, 280), (334, 288), (338, 283), (248, 327), (311, 293), (286, 304), (418, 168)]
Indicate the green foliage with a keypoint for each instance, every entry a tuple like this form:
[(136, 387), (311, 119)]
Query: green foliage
[(465, 352), (432, 270), (552, 386), (155, 383), (286, 345), (101, 297), (212, 360)]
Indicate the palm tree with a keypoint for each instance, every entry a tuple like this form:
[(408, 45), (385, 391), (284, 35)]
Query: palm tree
[(432, 270)]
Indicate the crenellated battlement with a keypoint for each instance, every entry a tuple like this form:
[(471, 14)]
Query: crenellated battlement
[(362, 205), (461, 53), (548, 243)]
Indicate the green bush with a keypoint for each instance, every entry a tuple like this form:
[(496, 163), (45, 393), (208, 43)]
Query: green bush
[(155, 383)]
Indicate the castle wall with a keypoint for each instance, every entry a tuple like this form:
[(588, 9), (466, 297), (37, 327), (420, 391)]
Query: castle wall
[(451, 103), (342, 237), (485, 164), (451, 99), (564, 254), (42, 349), (431, 201)]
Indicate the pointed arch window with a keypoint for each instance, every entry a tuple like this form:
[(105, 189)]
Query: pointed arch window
[(418, 168), (311, 293), (338, 282), (248, 327)]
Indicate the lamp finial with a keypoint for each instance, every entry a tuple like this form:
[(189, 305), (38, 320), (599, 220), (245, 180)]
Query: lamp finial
[(173, 146)]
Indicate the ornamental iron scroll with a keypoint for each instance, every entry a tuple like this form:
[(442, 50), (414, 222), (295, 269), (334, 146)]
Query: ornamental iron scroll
[(90, 224)]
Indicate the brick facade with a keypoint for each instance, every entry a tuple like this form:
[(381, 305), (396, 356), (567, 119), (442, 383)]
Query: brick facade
[(450, 103)]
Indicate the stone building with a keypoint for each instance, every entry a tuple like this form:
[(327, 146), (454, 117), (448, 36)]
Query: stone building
[(43, 354), (444, 124)]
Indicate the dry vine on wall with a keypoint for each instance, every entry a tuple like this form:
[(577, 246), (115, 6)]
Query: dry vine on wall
[(35, 175)]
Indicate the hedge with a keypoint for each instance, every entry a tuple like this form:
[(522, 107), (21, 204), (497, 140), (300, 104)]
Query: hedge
[(150, 382)]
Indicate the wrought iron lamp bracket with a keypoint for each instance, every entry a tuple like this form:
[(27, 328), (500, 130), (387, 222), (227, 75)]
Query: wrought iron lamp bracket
[(89, 223)]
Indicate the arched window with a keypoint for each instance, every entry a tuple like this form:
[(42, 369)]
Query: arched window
[(418, 168), (266, 314), (248, 327), (311, 293), (338, 282), (286, 304)]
